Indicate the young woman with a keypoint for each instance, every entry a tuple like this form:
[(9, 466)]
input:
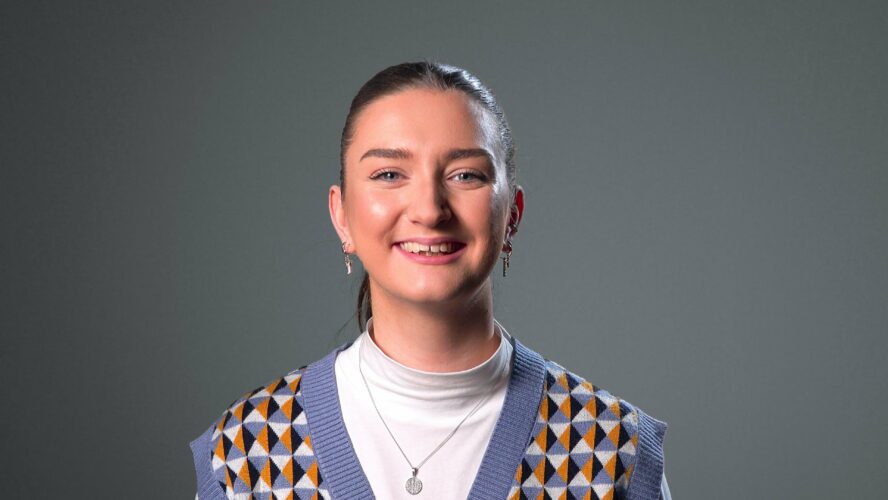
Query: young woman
[(435, 399)]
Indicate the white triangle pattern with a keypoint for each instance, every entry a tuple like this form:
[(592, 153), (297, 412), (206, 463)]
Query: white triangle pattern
[(616, 415)]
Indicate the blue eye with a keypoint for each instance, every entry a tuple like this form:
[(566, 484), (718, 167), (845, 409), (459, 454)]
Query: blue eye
[(468, 177), (386, 175)]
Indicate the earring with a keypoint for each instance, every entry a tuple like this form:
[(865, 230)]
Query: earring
[(508, 253), (348, 262)]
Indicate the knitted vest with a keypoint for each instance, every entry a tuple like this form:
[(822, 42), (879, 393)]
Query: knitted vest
[(558, 436)]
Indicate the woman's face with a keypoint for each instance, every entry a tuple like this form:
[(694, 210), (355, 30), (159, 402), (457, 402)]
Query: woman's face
[(426, 205)]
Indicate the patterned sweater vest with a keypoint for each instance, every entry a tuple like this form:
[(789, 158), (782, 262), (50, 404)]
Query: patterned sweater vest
[(558, 437)]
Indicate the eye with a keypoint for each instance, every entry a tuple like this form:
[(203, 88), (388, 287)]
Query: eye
[(469, 176), (386, 175)]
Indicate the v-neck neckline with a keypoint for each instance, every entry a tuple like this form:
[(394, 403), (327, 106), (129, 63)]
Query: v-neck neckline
[(339, 466)]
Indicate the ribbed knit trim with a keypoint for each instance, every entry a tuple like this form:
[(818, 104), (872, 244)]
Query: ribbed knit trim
[(340, 469), (513, 428), (207, 487), (648, 472)]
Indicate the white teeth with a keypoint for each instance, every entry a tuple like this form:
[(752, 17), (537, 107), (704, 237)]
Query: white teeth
[(414, 247)]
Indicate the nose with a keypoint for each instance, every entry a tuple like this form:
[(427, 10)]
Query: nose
[(429, 204)]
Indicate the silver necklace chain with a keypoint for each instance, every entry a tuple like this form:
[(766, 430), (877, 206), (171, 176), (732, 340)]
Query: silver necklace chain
[(413, 485)]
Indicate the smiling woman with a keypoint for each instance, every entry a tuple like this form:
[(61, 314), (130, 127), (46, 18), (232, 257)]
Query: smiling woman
[(434, 398), (421, 170)]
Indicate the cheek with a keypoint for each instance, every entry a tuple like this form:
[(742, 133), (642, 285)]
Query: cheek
[(379, 209), (499, 207), (487, 214), (370, 212)]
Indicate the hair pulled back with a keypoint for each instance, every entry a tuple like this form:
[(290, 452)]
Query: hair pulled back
[(431, 75)]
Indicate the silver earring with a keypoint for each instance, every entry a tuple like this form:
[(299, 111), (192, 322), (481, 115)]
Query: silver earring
[(348, 262), (508, 253)]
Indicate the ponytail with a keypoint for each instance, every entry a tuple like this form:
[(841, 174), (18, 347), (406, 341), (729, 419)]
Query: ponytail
[(365, 308)]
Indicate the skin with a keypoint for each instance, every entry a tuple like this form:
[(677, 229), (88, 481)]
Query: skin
[(432, 317)]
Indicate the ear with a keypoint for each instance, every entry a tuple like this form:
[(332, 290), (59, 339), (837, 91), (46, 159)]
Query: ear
[(516, 211), (337, 216)]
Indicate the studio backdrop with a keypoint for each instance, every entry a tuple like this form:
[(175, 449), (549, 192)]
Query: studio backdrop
[(706, 203)]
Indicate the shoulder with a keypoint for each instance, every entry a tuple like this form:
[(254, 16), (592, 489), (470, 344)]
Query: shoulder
[(626, 442), (263, 402), (251, 446)]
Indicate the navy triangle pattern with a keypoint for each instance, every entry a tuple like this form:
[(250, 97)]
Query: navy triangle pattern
[(261, 448), (583, 444)]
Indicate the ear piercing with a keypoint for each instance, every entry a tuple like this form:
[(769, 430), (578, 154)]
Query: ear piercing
[(348, 262), (508, 253), (507, 248)]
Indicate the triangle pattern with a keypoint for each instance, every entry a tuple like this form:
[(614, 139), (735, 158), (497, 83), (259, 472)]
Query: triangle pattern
[(584, 442), (261, 446)]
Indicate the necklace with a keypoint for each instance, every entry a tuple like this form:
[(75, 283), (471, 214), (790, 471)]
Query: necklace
[(413, 484)]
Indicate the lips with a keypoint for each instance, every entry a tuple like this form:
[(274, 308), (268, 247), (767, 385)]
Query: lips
[(431, 250), (442, 248), (441, 245)]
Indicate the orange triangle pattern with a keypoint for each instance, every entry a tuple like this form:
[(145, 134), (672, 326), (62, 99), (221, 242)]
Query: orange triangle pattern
[(584, 446), (255, 456)]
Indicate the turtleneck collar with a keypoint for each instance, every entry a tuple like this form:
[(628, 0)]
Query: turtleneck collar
[(385, 374)]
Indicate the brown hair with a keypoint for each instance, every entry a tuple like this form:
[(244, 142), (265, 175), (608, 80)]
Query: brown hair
[(424, 74)]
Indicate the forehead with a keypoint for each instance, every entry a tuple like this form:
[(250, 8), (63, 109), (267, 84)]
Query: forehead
[(424, 119)]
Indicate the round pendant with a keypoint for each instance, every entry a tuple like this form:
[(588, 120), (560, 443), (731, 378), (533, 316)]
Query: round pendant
[(414, 485)]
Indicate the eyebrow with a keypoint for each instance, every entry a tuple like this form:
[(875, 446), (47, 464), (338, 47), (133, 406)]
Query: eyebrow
[(459, 154), (403, 154), (391, 154)]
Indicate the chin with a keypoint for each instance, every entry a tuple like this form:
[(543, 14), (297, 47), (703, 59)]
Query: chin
[(431, 297), (439, 294)]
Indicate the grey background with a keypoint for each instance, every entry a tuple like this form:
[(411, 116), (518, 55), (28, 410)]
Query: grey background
[(706, 229)]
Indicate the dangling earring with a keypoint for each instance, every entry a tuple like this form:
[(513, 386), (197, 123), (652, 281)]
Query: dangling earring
[(348, 262), (508, 253)]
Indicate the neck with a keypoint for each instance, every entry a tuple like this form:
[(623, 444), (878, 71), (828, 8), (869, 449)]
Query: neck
[(444, 338)]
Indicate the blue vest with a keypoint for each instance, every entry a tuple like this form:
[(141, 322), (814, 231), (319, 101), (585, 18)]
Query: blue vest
[(557, 436)]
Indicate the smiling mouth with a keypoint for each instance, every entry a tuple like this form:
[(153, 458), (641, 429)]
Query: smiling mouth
[(444, 248)]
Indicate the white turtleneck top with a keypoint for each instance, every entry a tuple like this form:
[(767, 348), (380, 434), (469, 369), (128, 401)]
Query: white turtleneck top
[(421, 409)]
